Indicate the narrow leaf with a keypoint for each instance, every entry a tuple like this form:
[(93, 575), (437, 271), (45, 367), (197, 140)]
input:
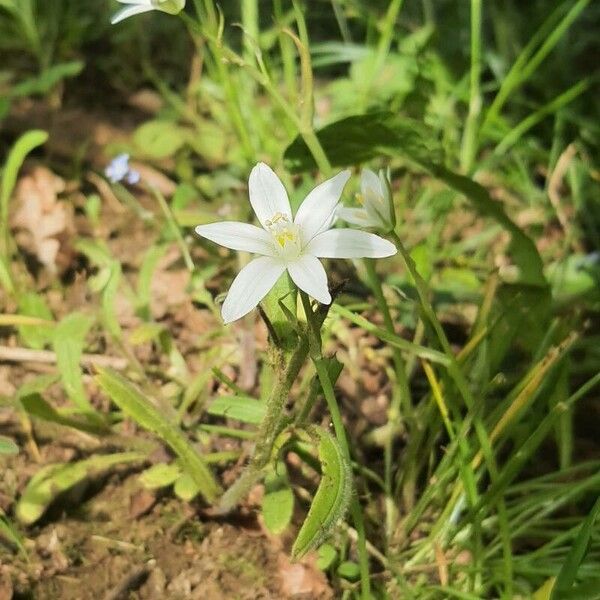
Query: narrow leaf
[(278, 501), (245, 409), (7, 446), (139, 408), (52, 480), (331, 499), (69, 340), (568, 572)]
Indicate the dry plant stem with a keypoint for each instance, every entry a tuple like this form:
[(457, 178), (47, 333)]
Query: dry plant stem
[(10, 354)]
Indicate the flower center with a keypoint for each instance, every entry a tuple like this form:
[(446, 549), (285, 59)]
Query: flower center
[(286, 236)]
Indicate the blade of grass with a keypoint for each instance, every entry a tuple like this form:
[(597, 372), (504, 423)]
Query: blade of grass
[(517, 132), (22, 147), (547, 36), (469, 142)]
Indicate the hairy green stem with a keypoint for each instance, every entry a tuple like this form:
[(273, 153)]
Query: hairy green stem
[(269, 427)]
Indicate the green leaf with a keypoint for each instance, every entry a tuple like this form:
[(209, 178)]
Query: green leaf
[(361, 138), (331, 499), (284, 292), (327, 557), (22, 147), (590, 590), (36, 406), (34, 305), (37, 385), (7, 446), (43, 83), (109, 296), (5, 277), (159, 139), (278, 500), (349, 570), (186, 488), (245, 409), (568, 572), (69, 341), (139, 408), (159, 476), (146, 272), (9, 533), (52, 480), (146, 332)]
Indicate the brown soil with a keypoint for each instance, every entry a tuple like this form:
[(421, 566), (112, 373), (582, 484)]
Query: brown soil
[(123, 542)]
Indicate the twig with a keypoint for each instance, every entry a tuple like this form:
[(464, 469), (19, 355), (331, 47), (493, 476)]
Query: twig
[(132, 580), (11, 354)]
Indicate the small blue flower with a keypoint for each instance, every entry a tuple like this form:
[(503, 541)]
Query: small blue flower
[(119, 170)]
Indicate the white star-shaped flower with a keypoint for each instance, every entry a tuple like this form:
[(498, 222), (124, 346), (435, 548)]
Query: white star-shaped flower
[(135, 7), (283, 242), (377, 208)]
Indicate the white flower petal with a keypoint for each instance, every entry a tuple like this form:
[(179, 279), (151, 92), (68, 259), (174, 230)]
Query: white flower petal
[(138, 2), (309, 275), (125, 13), (356, 216), (370, 181), (317, 211), (350, 243), (267, 194), (250, 286), (238, 236)]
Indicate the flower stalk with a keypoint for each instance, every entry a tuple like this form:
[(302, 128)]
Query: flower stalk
[(314, 332)]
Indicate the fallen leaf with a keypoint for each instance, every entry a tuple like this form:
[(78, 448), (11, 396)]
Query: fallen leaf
[(6, 586), (141, 503), (146, 100), (45, 221), (168, 287), (302, 579), (155, 178)]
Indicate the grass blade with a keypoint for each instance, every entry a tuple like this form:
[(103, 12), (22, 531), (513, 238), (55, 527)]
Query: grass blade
[(568, 572), (23, 146)]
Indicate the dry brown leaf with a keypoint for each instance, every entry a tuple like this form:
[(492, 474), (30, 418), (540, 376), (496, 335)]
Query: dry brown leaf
[(6, 587), (302, 579), (141, 503), (146, 100), (44, 220), (169, 287), (155, 178)]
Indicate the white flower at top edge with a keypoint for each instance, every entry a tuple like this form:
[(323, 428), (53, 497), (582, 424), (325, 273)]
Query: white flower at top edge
[(136, 7), (283, 242), (377, 207)]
